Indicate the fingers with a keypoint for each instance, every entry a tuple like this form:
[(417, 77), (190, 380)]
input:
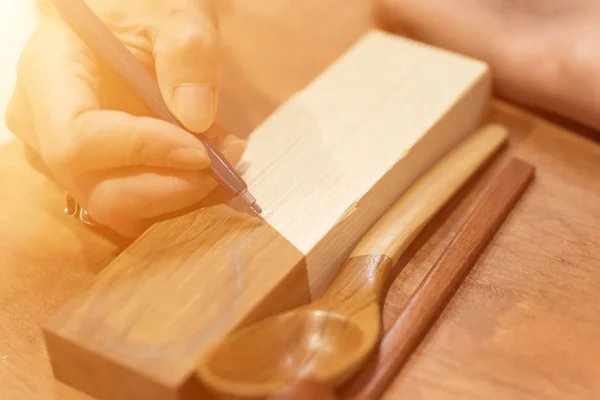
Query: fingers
[(62, 104), (126, 202), (186, 53), (61, 82), (112, 139), (59, 77)]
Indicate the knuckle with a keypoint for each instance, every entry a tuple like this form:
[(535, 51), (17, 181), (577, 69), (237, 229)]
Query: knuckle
[(192, 37), (137, 149)]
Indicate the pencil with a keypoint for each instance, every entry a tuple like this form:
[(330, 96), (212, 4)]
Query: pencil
[(88, 26)]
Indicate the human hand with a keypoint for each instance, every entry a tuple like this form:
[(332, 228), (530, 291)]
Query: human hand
[(98, 141), (543, 54)]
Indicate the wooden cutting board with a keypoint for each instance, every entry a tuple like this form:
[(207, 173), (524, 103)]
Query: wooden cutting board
[(525, 323)]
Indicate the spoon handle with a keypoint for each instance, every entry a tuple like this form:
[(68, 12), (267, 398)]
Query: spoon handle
[(441, 282), (376, 254), (432, 295)]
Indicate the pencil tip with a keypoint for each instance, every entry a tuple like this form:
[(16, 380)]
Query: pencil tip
[(256, 208), (251, 201)]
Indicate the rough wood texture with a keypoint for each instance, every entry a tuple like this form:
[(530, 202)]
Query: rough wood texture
[(329, 339), (525, 322), (441, 282), (323, 167)]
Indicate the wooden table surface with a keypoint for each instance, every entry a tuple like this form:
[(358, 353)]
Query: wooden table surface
[(524, 325)]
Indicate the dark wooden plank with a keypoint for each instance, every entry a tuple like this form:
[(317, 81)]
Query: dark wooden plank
[(441, 282)]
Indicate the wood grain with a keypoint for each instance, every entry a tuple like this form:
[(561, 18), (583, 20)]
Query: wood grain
[(395, 231), (441, 282), (431, 296), (326, 340), (324, 166), (329, 339), (356, 138), (525, 322), (155, 317)]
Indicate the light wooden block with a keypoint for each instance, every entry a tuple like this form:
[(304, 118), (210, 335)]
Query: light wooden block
[(324, 167)]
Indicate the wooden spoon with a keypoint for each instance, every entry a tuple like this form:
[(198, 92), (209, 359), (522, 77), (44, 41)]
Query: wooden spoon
[(440, 283), (432, 295), (329, 339)]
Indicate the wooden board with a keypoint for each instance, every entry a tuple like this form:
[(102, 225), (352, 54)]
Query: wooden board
[(540, 284), (324, 166), (525, 323)]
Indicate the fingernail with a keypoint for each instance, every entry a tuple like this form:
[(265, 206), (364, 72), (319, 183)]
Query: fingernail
[(234, 149), (194, 106), (188, 159)]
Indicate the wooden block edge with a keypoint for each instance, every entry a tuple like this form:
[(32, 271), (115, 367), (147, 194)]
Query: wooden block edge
[(472, 108)]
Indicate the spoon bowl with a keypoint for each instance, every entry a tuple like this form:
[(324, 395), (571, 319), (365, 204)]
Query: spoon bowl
[(307, 342)]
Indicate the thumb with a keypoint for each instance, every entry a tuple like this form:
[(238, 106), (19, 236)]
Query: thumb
[(186, 57)]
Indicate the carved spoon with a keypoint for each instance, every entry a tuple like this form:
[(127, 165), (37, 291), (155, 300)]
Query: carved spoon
[(330, 338)]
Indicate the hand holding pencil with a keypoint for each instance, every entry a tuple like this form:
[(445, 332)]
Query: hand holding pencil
[(100, 142)]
